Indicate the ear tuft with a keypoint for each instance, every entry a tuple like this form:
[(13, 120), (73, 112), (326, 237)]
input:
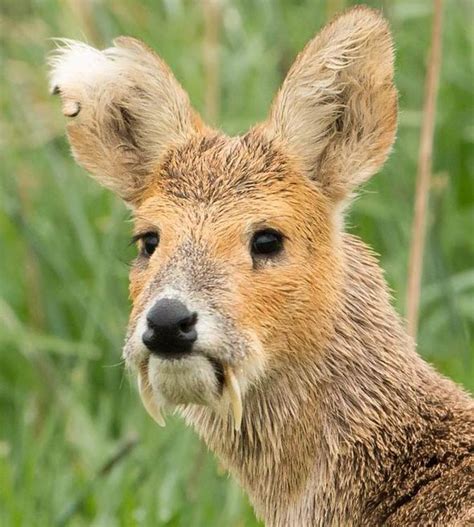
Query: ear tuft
[(125, 107), (336, 110), (75, 66)]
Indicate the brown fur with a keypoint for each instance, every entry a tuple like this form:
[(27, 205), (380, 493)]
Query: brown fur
[(343, 424)]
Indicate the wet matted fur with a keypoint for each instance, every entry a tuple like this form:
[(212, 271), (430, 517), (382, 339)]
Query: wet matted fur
[(343, 423)]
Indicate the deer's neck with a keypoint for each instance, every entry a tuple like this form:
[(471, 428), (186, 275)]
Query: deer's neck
[(318, 435)]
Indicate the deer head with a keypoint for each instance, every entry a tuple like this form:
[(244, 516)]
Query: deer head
[(239, 271)]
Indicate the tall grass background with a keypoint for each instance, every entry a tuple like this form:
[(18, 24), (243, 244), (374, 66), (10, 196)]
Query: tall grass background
[(76, 447)]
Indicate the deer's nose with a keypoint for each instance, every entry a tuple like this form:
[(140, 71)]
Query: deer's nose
[(171, 329)]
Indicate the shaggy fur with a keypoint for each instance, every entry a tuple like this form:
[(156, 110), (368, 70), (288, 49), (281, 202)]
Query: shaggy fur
[(343, 423), (387, 440)]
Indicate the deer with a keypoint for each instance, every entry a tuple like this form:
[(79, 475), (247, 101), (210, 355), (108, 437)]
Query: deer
[(255, 315)]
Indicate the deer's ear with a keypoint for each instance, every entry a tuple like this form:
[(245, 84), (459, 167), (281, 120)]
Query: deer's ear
[(337, 108), (125, 109)]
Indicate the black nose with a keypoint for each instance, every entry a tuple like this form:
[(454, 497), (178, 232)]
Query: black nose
[(171, 330)]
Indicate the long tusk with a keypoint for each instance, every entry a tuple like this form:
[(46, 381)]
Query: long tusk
[(149, 402), (235, 395)]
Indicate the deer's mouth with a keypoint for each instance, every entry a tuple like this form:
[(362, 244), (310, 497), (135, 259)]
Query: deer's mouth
[(154, 381)]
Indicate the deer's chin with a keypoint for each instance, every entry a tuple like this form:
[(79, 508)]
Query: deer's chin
[(191, 380), (196, 379)]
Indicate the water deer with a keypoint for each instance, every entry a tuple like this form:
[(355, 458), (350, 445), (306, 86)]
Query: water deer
[(254, 314)]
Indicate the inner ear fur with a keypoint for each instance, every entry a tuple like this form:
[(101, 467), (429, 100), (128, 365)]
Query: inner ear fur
[(125, 110), (336, 111)]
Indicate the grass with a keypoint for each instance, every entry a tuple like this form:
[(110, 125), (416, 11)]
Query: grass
[(76, 447)]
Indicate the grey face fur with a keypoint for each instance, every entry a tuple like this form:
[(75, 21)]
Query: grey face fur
[(201, 285)]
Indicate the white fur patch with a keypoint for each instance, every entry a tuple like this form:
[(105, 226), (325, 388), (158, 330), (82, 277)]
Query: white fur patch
[(76, 64)]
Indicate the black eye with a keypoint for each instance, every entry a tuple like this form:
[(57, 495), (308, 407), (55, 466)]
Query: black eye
[(150, 242), (267, 242)]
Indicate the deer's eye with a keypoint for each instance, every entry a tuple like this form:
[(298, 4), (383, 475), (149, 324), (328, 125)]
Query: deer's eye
[(267, 243), (148, 243)]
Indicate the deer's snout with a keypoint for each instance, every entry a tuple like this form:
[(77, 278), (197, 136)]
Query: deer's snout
[(171, 330)]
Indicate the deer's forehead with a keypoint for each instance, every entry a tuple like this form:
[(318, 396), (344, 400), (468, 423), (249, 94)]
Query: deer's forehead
[(220, 179), (218, 168)]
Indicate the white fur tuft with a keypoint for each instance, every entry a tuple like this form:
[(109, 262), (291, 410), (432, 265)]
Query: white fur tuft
[(76, 63)]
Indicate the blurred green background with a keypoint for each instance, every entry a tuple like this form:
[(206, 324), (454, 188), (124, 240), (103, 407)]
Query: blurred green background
[(76, 447)]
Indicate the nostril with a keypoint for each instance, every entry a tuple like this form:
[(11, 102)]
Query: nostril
[(187, 325), (149, 338)]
